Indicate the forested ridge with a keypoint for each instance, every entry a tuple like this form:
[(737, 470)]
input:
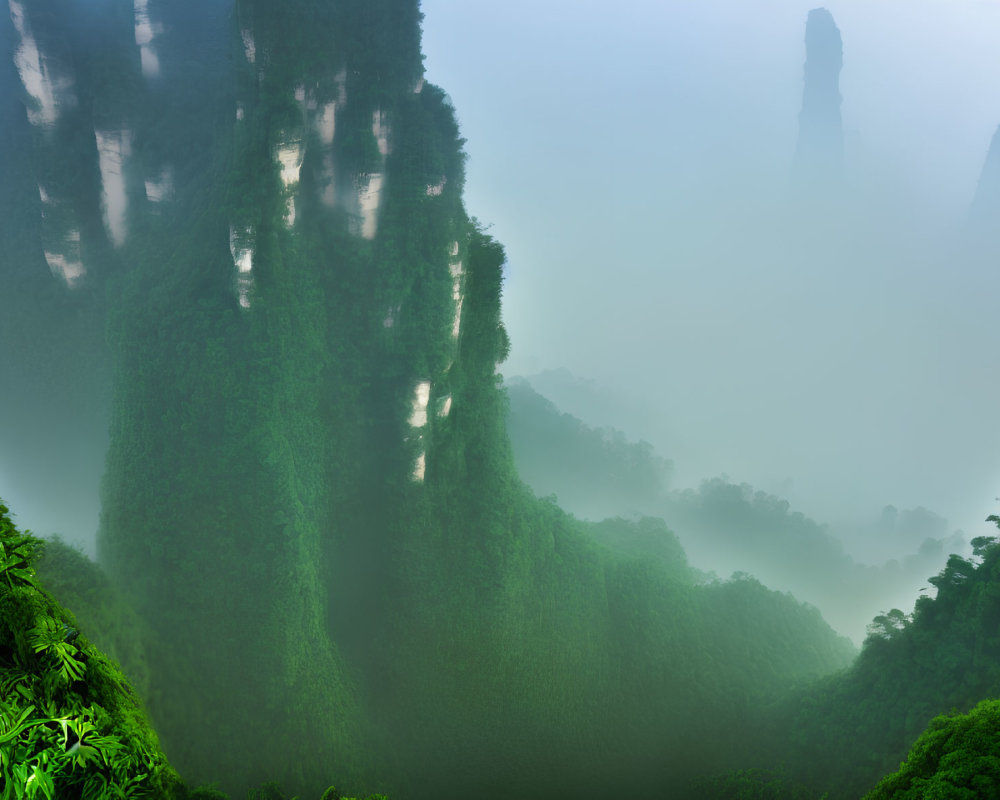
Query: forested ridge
[(724, 527), (241, 248), (943, 656)]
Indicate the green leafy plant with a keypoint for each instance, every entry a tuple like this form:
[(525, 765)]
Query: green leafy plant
[(15, 557), (69, 726), (40, 752), (49, 636)]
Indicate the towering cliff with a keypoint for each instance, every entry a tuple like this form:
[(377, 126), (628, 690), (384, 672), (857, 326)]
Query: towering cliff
[(283, 339), (819, 153), (268, 196)]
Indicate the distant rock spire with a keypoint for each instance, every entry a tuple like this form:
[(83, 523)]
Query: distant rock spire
[(985, 212), (819, 155)]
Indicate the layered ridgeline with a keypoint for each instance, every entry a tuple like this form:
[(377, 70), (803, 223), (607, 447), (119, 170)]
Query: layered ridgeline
[(723, 527), (837, 736), (309, 498)]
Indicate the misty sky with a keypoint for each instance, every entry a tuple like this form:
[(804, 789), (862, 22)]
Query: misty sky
[(632, 156)]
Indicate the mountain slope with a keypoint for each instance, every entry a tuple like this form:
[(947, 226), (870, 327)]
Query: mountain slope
[(849, 730), (724, 527)]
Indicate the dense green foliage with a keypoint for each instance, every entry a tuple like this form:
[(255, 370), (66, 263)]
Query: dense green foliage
[(750, 784), (70, 725), (957, 757), (103, 612), (848, 730)]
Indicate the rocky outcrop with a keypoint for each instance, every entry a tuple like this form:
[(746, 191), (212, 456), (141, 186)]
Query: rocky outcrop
[(984, 215), (819, 154)]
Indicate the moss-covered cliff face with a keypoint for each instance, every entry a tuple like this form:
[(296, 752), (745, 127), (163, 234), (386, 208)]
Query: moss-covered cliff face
[(309, 496), (260, 203), (282, 334)]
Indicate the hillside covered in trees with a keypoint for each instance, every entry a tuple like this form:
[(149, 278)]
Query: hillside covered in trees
[(723, 526), (237, 259), (843, 732)]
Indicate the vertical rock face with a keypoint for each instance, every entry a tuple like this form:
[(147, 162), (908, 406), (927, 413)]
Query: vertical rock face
[(819, 154), (43, 60), (42, 65), (270, 414), (145, 33), (984, 215), (113, 150), (234, 196)]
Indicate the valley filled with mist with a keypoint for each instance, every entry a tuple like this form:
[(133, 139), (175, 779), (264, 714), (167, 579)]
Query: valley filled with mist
[(705, 507)]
